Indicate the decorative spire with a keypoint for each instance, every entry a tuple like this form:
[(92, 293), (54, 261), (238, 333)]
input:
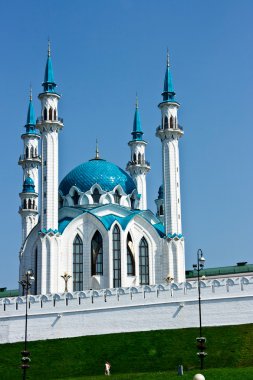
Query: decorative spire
[(97, 151), (31, 119), (49, 83), (137, 131), (168, 90)]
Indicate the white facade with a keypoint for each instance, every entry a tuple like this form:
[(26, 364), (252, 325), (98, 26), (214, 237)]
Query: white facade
[(224, 302), (95, 225)]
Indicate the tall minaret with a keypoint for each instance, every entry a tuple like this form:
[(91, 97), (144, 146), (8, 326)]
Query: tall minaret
[(169, 133), (30, 162), (49, 125), (138, 166)]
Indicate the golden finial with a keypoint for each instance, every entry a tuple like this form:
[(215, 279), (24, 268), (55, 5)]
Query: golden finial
[(97, 151), (168, 57), (48, 47), (136, 101)]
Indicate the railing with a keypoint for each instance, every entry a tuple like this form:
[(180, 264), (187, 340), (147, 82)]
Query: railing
[(23, 157), (142, 162), (41, 119), (159, 128)]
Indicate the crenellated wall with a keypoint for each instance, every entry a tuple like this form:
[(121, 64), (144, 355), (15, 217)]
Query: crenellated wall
[(164, 306)]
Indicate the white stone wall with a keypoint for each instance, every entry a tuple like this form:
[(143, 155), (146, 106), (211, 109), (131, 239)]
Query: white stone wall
[(172, 306)]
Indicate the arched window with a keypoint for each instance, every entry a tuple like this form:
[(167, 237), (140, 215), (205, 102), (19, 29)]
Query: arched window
[(117, 197), (116, 257), (171, 122), (75, 198), (166, 124), (132, 200), (27, 152), (130, 257), (31, 152), (33, 204), (77, 264), (29, 204), (35, 152), (96, 195), (97, 254), (161, 210), (139, 158), (143, 262), (54, 114), (45, 114), (134, 157), (50, 113), (25, 204)]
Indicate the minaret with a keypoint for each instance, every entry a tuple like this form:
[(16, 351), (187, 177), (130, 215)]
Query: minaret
[(169, 133), (138, 166), (49, 125), (30, 162), (160, 205)]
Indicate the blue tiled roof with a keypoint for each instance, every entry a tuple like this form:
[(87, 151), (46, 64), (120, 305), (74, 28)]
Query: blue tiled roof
[(28, 186), (104, 173), (137, 131)]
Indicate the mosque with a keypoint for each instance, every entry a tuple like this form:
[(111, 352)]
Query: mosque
[(94, 226)]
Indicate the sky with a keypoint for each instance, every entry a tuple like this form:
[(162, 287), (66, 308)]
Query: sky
[(104, 52)]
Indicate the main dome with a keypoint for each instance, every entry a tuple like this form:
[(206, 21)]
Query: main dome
[(102, 172)]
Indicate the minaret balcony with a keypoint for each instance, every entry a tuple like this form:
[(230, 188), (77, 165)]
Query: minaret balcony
[(167, 132), (23, 158), (41, 120), (142, 163)]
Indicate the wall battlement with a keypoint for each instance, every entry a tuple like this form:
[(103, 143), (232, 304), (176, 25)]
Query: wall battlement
[(140, 308)]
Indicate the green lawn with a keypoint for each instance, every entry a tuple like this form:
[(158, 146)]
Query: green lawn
[(136, 355)]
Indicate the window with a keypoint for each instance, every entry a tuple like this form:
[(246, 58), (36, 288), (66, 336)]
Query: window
[(161, 210), (45, 114), (54, 114), (143, 262), (45, 210), (166, 126), (45, 194), (45, 163), (96, 195), (50, 113), (29, 204), (25, 204), (45, 178), (27, 152), (75, 198), (134, 157), (31, 152), (77, 264), (171, 122), (117, 197), (116, 257), (132, 200), (130, 257), (97, 254)]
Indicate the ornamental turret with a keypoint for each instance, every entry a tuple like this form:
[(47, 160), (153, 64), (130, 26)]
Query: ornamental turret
[(138, 167), (169, 132), (30, 162), (49, 125)]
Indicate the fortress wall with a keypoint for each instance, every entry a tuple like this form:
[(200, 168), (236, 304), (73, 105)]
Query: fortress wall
[(170, 306)]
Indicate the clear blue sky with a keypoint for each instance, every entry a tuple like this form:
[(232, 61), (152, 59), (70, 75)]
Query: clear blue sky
[(105, 51)]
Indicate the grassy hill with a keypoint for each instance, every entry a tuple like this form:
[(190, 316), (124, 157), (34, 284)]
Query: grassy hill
[(130, 353)]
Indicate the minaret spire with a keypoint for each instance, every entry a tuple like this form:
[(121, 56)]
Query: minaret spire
[(138, 166), (168, 89), (49, 83), (97, 151)]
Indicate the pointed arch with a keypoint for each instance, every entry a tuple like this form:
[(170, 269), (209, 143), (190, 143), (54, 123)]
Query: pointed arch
[(50, 113), (139, 158), (130, 256), (96, 196), (116, 257), (97, 254), (31, 152), (171, 122), (117, 196), (143, 262), (54, 114), (29, 204), (75, 198), (45, 113), (27, 152), (25, 204), (77, 264), (161, 210), (134, 158), (166, 123)]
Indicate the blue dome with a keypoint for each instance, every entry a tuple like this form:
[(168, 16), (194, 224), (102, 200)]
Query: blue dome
[(28, 186), (102, 172)]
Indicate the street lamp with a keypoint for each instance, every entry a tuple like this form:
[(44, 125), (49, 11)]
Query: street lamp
[(26, 284), (201, 340), (66, 277)]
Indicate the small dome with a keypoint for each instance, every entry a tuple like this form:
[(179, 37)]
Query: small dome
[(28, 186), (102, 172), (160, 192)]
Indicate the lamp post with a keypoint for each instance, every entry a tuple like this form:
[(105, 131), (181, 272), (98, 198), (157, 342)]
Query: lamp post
[(26, 284), (200, 340), (66, 277)]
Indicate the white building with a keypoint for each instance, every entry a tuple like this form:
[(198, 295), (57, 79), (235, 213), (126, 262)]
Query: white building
[(95, 225)]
